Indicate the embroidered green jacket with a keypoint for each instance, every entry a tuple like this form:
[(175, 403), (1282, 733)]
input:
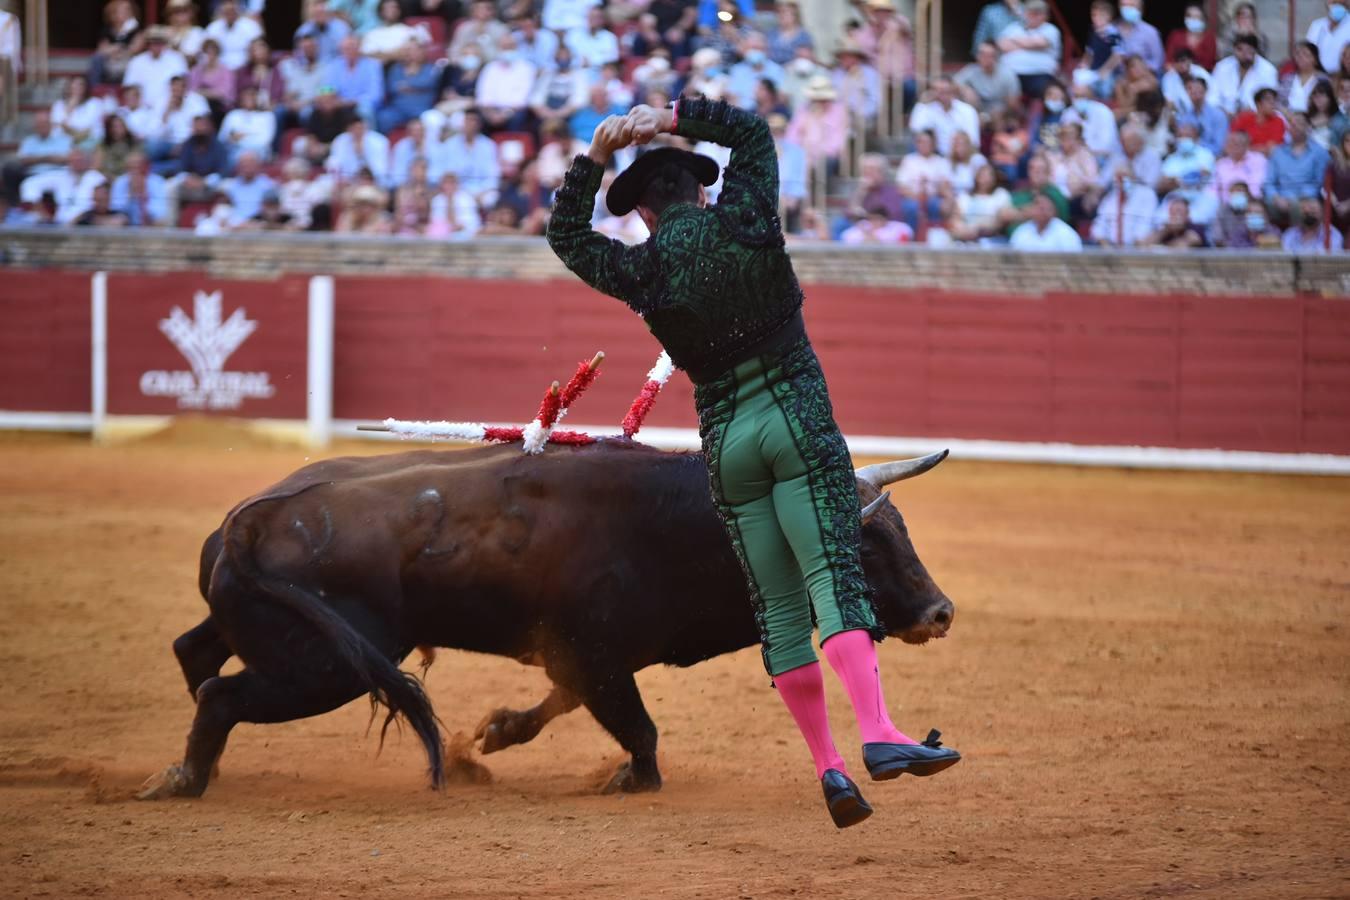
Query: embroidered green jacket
[(711, 283)]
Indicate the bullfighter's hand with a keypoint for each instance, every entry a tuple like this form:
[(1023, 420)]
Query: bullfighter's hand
[(647, 122), (610, 135)]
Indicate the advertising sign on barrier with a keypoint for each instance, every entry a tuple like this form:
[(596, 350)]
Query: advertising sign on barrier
[(185, 343)]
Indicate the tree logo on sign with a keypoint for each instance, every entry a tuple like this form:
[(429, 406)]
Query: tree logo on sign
[(207, 341)]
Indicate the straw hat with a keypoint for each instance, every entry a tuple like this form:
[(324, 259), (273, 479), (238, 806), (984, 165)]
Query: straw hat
[(175, 5), (820, 87), (881, 4), (367, 193), (846, 46)]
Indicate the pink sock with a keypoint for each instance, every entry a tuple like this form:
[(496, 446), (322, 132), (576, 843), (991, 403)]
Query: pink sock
[(803, 693), (853, 657)]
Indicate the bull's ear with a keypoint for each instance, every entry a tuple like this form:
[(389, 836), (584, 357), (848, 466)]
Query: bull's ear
[(870, 509)]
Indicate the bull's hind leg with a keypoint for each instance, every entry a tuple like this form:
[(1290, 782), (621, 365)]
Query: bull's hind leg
[(223, 702), (613, 698), (201, 652), (504, 728)]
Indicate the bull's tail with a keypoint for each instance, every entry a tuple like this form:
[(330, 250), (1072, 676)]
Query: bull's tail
[(388, 685)]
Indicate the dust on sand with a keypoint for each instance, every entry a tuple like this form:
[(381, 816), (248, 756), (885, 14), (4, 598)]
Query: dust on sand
[(1148, 675)]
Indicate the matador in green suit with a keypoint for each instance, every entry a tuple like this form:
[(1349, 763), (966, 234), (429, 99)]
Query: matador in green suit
[(716, 287)]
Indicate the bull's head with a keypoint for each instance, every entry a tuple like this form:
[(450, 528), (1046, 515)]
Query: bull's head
[(910, 605)]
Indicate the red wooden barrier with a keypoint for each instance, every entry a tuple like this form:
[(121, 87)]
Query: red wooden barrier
[(1235, 373), (44, 341), (188, 343)]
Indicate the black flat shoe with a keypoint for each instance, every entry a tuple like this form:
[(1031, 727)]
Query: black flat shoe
[(845, 801), (887, 761)]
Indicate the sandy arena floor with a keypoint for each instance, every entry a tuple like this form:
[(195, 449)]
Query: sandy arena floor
[(1149, 676)]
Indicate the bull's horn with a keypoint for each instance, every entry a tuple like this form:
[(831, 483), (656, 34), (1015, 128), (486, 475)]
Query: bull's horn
[(882, 474), (870, 509)]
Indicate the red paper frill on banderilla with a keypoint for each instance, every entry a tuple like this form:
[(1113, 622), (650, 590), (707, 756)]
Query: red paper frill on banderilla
[(552, 409)]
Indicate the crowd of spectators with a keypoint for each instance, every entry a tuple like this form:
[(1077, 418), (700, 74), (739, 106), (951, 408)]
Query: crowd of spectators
[(448, 119)]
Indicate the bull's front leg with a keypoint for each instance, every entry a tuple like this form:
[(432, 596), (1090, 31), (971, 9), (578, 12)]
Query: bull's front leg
[(504, 728), (614, 700)]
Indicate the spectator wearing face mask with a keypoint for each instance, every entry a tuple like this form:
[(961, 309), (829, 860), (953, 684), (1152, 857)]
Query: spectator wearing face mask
[(1241, 223), (480, 34), (1191, 165), (593, 45), (504, 87), (1331, 34), (1195, 37), (754, 67), (1309, 234), (1100, 132), (1139, 38), (1045, 123), (797, 74)]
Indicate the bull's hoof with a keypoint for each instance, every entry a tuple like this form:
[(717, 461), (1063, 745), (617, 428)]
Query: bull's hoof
[(629, 780), (172, 782), (500, 729)]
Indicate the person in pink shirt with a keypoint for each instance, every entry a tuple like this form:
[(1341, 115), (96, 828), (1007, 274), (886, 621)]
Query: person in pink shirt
[(820, 125), (1239, 163), (877, 228), (925, 180)]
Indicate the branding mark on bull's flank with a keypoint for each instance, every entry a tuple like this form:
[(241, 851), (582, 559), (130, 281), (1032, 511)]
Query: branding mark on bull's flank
[(207, 341)]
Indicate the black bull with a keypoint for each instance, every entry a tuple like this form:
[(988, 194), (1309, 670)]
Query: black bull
[(593, 562)]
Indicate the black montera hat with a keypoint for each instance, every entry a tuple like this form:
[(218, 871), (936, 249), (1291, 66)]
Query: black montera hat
[(624, 193)]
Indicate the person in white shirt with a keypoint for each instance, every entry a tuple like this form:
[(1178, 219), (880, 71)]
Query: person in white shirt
[(247, 128), (1192, 164), (925, 178), (386, 42), (593, 45), (1331, 33), (1125, 213), (1100, 132), (78, 114), (1032, 48), (1174, 79), (359, 148), (564, 15), (1043, 232), (73, 186), (454, 212), (185, 35), (945, 115), (11, 45), (152, 69), (175, 118), (1237, 78), (504, 86), (142, 121), (233, 33)]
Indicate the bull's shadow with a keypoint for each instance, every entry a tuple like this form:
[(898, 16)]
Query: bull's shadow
[(593, 562)]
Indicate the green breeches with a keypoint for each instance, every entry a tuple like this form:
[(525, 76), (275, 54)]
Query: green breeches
[(784, 485)]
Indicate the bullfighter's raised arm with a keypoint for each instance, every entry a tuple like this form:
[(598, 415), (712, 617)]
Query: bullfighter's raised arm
[(607, 265)]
